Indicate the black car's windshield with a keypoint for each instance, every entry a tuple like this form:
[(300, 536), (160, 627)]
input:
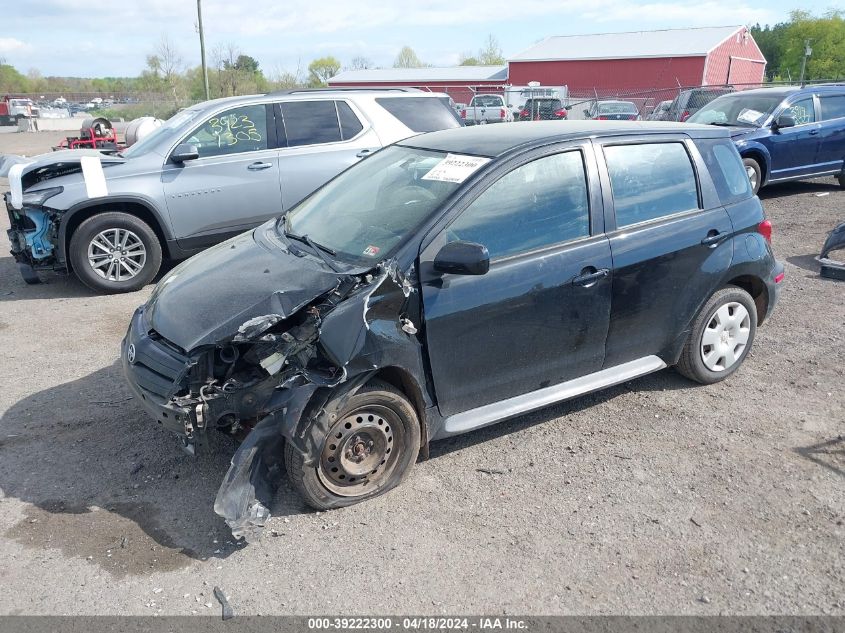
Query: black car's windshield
[(173, 126), (621, 107), (737, 109), (367, 211)]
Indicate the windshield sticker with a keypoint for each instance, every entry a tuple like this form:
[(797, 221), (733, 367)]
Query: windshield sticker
[(455, 168), (749, 116), (371, 251), (95, 179)]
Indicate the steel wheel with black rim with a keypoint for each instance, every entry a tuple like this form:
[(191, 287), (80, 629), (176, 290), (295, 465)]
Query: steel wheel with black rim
[(369, 443), (721, 336), (114, 252), (755, 174)]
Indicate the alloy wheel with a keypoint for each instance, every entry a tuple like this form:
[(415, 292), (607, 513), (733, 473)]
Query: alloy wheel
[(752, 176), (117, 254)]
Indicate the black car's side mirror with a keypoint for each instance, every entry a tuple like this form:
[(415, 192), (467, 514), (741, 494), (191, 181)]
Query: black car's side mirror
[(785, 120), (183, 152), (462, 258)]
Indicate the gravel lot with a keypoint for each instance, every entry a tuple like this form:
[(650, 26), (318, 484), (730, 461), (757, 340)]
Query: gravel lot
[(657, 496)]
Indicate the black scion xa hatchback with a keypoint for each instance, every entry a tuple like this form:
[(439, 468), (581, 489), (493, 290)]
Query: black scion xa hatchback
[(449, 282)]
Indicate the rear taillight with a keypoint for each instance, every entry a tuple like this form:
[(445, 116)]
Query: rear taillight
[(524, 113), (633, 117), (561, 113), (765, 229), (463, 114), (601, 118), (685, 115), (779, 277), (502, 113)]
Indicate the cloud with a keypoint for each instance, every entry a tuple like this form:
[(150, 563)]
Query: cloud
[(11, 44), (678, 14)]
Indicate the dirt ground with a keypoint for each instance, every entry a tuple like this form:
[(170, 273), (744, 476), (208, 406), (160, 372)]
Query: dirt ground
[(656, 496)]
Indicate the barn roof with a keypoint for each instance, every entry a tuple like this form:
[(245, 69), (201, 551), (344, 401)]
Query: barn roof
[(692, 42), (416, 75)]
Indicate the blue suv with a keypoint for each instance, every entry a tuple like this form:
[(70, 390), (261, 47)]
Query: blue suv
[(784, 133)]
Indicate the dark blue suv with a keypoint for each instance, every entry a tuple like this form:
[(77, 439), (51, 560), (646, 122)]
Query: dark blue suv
[(784, 133)]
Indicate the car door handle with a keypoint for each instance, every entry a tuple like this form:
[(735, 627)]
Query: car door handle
[(814, 132), (259, 166), (589, 276), (363, 153), (714, 238)]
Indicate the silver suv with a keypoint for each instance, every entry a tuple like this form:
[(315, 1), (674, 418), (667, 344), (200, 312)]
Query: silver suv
[(213, 170)]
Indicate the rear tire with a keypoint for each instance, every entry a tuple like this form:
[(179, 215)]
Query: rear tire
[(365, 445), (755, 173), (841, 179), (721, 337), (115, 252)]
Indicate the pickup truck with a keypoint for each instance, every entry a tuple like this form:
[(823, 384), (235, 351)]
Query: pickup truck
[(486, 109), (13, 108)]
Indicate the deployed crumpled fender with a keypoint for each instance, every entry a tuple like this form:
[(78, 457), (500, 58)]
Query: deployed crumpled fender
[(830, 268), (369, 330)]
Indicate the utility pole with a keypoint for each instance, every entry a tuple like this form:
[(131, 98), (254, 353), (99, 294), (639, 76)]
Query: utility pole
[(807, 52), (202, 49)]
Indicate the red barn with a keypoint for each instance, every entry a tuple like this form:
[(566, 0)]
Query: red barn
[(460, 82), (642, 60)]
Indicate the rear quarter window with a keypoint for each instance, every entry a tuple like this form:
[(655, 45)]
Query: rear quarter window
[(726, 169), (420, 114)]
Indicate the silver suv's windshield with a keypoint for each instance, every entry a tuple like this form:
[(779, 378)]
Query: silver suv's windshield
[(738, 109), (173, 126), (362, 215)]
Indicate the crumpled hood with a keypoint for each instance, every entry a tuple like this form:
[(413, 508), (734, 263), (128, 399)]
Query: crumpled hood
[(57, 163), (206, 299)]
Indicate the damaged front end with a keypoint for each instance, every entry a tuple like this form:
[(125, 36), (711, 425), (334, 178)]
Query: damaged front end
[(34, 232), (262, 381), (833, 268)]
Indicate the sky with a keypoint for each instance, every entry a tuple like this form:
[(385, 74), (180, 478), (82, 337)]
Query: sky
[(73, 38)]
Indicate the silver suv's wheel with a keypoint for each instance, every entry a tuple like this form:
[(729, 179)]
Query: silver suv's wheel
[(114, 252), (117, 254), (721, 336)]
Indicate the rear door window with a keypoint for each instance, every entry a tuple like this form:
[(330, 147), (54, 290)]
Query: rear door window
[(350, 125), (650, 181), (833, 107), (311, 122), (420, 114)]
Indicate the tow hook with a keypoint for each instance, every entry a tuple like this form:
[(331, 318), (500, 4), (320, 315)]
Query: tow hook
[(189, 428)]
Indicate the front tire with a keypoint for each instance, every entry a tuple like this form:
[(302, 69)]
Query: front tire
[(721, 337), (367, 446), (754, 172), (115, 252)]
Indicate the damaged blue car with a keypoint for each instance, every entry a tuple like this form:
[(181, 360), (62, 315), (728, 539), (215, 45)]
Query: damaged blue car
[(446, 283)]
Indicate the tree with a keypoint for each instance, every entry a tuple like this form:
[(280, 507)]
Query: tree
[(491, 54), (407, 58), (467, 59), (783, 45), (360, 63), (321, 70), (168, 63)]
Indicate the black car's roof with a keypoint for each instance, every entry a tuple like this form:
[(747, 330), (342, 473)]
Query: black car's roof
[(495, 140)]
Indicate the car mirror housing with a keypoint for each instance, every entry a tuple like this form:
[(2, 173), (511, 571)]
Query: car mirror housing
[(462, 258), (184, 152), (785, 120)]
